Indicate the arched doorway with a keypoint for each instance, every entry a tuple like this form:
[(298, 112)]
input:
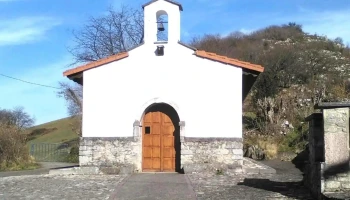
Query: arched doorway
[(160, 139)]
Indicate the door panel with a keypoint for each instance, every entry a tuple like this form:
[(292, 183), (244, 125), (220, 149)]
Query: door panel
[(158, 142)]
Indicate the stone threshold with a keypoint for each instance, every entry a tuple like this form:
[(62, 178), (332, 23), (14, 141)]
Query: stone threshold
[(76, 171), (250, 166), (159, 173)]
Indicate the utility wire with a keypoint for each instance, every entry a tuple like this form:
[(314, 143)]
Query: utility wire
[(48, 86)]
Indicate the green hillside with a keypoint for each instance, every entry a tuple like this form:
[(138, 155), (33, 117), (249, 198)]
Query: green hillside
[(53, 132)]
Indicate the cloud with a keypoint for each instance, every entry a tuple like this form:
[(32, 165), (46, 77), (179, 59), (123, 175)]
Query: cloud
[(246, 31), (329, 23), (332, 24), (25, 30), (39, 101)]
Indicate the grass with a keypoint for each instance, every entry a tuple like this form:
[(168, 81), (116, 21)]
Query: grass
[(57, 131), (17, 167), (270, 144)]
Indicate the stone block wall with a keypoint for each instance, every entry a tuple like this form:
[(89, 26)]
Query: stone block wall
[(336, 137), (202, 154), (336, 149), (328, 166), (337, 182), (316, 138), (119, 154), (312, 179), (124, 154)]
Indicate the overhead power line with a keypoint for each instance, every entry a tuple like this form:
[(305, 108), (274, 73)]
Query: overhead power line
[(48, 86)]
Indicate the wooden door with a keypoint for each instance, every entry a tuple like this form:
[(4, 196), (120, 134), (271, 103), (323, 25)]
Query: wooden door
[(158, 143)]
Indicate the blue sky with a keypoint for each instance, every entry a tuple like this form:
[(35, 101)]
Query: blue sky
[(34, 35)]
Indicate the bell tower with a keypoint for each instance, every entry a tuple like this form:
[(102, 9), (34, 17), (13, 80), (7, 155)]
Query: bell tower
[(162, 21)]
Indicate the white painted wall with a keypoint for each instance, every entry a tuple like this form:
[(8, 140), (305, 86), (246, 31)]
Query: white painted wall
[(206, 94)]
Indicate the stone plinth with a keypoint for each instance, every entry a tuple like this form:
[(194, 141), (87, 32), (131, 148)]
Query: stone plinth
[(210, 154), (111, 155)]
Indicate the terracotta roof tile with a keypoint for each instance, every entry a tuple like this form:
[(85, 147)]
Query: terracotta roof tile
[(203, 54), (97, 63), (229, 61)]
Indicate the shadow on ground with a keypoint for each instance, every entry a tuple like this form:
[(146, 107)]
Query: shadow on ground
[(301, 159), (288, 180), (294, 190)]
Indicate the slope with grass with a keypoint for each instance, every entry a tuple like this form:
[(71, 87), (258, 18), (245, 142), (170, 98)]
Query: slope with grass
[(58, 131)]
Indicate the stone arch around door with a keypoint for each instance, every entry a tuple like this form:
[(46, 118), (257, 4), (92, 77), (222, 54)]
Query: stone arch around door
[(161, 146)]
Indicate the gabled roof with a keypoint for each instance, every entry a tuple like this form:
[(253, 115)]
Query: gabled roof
[(97, 63), (199, 53), (170, 1)]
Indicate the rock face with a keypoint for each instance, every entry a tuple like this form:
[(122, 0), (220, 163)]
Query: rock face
[(254, 152)]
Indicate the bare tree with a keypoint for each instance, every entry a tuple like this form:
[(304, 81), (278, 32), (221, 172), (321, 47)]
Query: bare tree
[(115, 32), (16, 118), (73, 94)]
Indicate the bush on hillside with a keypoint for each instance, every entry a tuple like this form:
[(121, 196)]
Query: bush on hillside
[(301, 70)]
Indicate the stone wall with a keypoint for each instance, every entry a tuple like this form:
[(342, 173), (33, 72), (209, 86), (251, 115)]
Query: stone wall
[(328, 166), (313, 175), (111, 155), (124, 154), (202, 154), (337, 182), (336, 149)]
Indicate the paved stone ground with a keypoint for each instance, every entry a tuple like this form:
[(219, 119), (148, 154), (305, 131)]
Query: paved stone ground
[(150, 186), (58, 187), (285, 184), (275, 186)]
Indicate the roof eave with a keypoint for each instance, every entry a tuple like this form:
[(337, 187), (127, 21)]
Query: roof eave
[(78, 78), (94, 64), (230, 61)]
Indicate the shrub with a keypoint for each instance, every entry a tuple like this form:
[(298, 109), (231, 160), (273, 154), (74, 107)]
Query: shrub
[(14, 154), (294, 141), (73, 156)]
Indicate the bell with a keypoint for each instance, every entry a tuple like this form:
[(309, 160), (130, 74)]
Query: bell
[(160, 26)]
